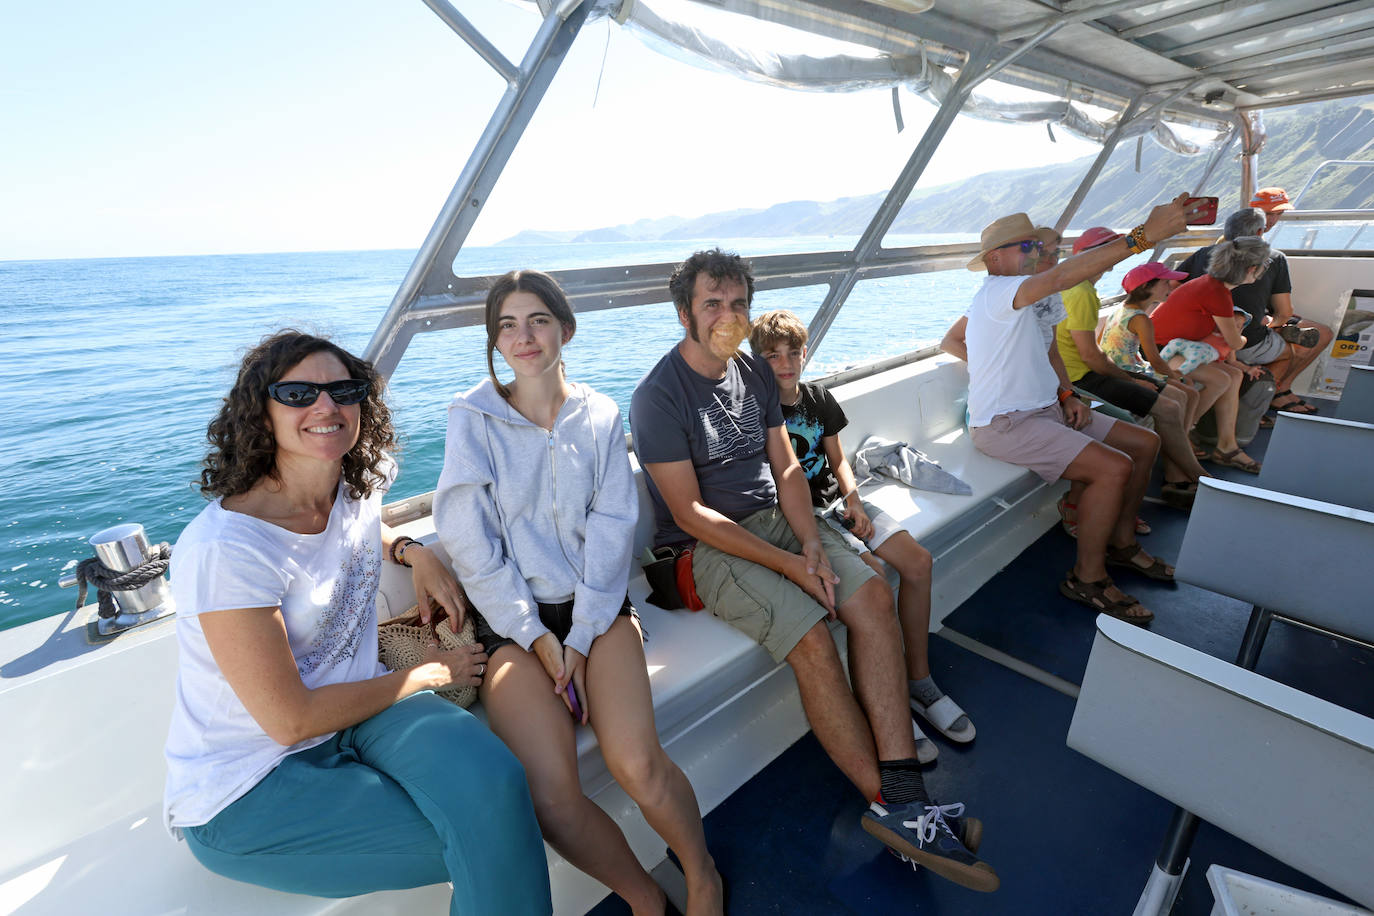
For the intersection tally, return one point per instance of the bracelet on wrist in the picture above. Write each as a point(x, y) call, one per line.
point(1136, 239)
point(1065, 394)
point(398, 550)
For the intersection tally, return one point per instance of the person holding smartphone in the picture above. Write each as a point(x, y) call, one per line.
point(536, 506)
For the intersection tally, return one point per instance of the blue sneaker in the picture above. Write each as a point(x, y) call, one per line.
point(921, 835)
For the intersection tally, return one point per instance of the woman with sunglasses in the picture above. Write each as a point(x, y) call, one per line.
point(295, 760)
point(537, 507)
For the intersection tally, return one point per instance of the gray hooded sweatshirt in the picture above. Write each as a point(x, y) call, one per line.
point(528, 514)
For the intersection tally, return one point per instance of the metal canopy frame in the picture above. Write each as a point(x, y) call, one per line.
point(1035, 53)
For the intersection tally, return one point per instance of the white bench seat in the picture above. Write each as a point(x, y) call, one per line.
point(1280, 769)
point(722, 707)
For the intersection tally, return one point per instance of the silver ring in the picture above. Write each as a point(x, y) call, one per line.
point(482, 670)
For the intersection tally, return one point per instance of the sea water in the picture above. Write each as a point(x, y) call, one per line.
point(111, 370)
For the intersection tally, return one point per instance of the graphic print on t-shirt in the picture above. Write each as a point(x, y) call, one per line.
point(805, 432)
point(1048, 313)
point(340, 629)
point(732, 433)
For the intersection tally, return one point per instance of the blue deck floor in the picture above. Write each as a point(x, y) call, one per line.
point(1066, 835)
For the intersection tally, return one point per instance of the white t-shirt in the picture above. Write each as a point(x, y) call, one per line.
point(326, 586)
point(1008, 354)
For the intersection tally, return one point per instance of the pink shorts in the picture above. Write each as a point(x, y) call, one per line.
point(1039, 439)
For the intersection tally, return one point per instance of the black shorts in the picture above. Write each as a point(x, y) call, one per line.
point(557, 617)
point(1127, 395)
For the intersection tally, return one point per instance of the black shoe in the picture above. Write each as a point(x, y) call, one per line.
point(1303, 337)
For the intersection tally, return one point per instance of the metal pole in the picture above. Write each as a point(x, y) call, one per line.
point(1108, 146)
point(483, 168)
point(1217, 155)
point(872, 238)
point(475, 39)
point(1251, 127)
point(1178, 839)
point(1028, 45)
point(1255, 631)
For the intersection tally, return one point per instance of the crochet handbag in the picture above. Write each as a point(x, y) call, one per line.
point(401, 643)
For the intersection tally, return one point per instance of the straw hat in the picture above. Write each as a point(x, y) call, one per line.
point(1015, 228)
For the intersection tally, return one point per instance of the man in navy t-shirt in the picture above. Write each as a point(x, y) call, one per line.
point(709, 432)
point(1275, 338)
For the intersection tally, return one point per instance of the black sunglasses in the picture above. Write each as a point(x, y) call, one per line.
point(303, 394)
point(1026, 245)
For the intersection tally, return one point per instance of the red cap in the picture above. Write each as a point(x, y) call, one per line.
point(1148, 273)
point(1271, 200)
point(1097, 235)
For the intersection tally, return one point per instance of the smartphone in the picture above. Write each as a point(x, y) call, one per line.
point(836, 511)
point(1202, 211)
point(572, 700)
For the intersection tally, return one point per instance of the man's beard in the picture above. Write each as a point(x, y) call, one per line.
point(725, 337)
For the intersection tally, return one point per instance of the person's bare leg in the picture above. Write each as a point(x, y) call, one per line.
point(1104, 472)
point(913, 565)
point(1071, 500)
point(1303, 356)
point(1226, 409)
point(524, 712)
point(1214, 381)
point(621, 712)
point(1141, 446)
point(1180, 465)
point(877, 670)
point(834, 714)
point(1190, 395)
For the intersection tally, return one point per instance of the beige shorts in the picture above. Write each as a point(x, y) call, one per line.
point(1039, 439)
point(767, 606)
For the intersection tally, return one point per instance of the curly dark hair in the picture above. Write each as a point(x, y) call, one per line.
point(243, 449)
point(716, 264)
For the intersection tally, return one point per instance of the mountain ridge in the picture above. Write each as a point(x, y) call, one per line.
point(1298, 141)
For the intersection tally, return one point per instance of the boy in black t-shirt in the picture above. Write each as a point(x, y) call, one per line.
point(814, 420)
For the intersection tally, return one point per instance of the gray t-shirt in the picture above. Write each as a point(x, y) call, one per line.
point(720, 425)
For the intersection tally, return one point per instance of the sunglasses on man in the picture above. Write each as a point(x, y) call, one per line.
point(303, 394)
point(1026, 245)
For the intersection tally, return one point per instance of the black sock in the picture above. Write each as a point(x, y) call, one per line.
point(901, 782)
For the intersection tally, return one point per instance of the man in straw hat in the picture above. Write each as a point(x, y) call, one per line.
point(1022, 409)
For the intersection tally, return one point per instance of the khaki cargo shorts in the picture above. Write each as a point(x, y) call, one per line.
point(767, 606)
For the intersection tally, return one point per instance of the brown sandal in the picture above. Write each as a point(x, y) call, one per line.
point(1233, 459)
point(1094, 595)
point(1125, 557)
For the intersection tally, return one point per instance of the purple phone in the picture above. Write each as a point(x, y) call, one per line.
point(572, 699)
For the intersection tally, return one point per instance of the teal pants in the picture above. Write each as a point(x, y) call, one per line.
point(418, 794)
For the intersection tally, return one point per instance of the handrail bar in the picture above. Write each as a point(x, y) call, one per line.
point(1357, 163)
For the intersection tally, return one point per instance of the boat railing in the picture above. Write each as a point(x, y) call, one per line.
point(460, 303)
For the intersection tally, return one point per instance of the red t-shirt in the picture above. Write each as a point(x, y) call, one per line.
point(1190, 310)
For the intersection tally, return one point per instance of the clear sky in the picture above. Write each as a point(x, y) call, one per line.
point(151, 128)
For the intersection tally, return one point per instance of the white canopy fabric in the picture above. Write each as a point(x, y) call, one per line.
point(1194, 62)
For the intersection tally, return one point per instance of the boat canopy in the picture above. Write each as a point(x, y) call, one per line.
point(1208, 58)
point(1107, 70)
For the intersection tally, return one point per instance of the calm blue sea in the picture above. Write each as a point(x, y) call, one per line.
point(111, 369)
